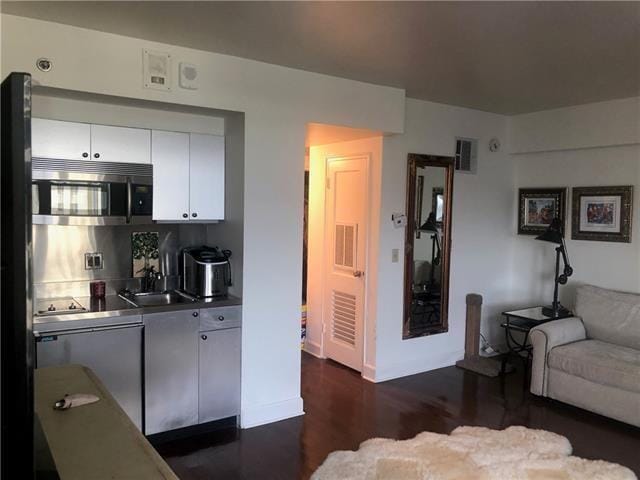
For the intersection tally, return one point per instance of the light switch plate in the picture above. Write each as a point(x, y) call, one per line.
point(395, 255)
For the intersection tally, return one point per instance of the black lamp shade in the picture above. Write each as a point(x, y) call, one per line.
point(553, 233)
point(430, 225)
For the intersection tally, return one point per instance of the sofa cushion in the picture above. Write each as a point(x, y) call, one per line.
point(609, 316)
point(599, 362)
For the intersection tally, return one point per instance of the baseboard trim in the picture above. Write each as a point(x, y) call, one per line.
point(272, 412)
point(369, 373)
point(313, 348)
point(415, 367)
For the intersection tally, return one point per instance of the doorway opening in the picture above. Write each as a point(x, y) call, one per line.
point(342, 198)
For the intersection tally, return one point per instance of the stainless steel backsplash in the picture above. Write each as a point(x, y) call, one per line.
point(58, 250)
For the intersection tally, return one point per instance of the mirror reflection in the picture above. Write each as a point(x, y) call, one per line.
point(427, 245)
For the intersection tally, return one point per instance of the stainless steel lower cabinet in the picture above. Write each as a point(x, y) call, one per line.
point(171, 370)
point(219, 373)
point(114, 354)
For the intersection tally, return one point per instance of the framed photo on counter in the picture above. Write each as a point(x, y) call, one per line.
point(602, 213)
point(538, 206)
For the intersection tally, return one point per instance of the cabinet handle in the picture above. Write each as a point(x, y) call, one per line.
point(184, 215)
point(96, 155)
point(85, 154)
point(194, 215)
point(204, 337)
point(221, 318)
point(195, 314)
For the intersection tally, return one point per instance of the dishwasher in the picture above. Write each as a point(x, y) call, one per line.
point(113, 353)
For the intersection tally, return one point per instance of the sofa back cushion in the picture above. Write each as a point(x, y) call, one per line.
point(609, 316)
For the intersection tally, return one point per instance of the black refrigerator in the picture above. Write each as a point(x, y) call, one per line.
point(16, 290)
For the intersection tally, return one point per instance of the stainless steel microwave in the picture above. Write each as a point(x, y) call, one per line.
point(74, 192)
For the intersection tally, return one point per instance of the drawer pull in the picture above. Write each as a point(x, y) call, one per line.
point(204, 337)
point(221, 318)
point(195, 314)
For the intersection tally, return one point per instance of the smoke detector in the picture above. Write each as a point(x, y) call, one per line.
point(188, 76)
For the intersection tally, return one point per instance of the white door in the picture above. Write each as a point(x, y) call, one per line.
point(120, 144)
point(207, 177)
point(345, 240)
point(170, 175)
point(60, 140)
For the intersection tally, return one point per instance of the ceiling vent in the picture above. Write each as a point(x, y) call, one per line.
point(466, 155)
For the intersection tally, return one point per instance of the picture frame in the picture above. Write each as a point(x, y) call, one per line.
point(602, 214)
point(538, 206)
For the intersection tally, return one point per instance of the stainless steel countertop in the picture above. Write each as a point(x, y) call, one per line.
point(114, 310)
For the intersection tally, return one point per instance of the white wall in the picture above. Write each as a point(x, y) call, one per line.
point(60, 105)
point(230, 233)
point(583, 126)
point(482, 249)
point(317, 174)
point(277, 102)
point(611, 130)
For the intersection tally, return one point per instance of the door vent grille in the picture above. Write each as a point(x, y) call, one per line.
point(466, 155)
point(343, 318)
point(345, 245)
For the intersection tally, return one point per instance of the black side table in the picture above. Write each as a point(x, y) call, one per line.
point(522, 321)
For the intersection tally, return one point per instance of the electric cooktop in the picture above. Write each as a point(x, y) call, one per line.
point(58, 306)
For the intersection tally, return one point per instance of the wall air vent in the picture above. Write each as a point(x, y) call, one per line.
point(156, 70)
point(466, 155)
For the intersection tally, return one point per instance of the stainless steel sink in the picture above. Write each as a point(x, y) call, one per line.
point(152, 299)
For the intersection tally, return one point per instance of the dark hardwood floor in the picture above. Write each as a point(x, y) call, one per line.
point(343, 410)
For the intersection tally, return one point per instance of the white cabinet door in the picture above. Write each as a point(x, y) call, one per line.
point(120, 144)
point(170, 158)
point(207, 177)
point(60, 140)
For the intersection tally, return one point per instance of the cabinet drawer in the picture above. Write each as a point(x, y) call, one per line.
point(220, 317)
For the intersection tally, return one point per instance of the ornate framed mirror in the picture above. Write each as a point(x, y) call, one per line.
point(427, 245)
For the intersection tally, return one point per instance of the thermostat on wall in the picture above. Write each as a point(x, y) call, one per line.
point(188, 76)
point(399, 220)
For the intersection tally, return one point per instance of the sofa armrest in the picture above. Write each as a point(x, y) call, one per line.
point(544, 338)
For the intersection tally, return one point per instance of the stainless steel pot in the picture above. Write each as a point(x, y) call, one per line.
point(206, 271)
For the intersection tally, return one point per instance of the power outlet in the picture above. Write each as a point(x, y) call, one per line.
point(395, 255)
point(93, 261)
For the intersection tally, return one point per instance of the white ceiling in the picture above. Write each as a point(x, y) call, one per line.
point(504, 57)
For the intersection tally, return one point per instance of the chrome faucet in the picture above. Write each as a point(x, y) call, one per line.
point(149, 279)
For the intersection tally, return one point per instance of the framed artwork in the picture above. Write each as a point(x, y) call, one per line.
point(145, 252)
point(538, 206)
point(602, 213)
point(437, 204)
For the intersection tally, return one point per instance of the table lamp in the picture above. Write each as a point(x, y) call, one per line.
point(554, 234)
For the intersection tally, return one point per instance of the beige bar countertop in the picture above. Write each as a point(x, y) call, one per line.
point(96, 441)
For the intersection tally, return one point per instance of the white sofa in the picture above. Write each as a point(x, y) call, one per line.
point(592, 360)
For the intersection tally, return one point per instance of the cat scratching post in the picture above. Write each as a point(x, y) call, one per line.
point(472, 359)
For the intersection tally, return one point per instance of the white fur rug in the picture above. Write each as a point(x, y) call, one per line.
point(469, 453)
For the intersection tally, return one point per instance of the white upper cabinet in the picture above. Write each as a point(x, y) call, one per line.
point(120, 144)
point(188, 177)
point(170, 158)
point(60, 140)
point(83, 141)
point(206, 168)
